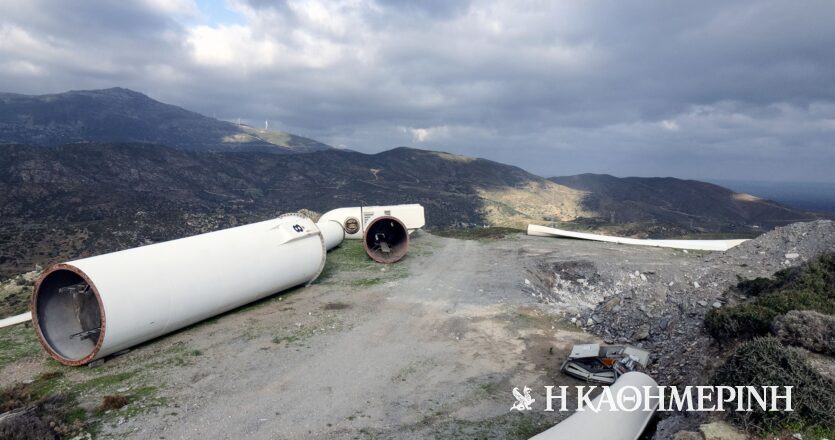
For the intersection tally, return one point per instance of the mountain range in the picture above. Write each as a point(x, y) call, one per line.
point(88, 172)
point(123, 115)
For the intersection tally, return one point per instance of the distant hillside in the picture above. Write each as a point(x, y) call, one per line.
point(687, 204)
point(63, 202)
point(814, 196)
point(122, 115)
point(76, 200)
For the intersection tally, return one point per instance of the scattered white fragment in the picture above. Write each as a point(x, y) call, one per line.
point(17, 319)
point(716, 304)
point(792, 255)
point(706, 245)
point(696, 284)
point(527, 282)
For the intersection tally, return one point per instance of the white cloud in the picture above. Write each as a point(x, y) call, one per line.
point(17, 42)
point(18, 67)
point(174, 7)
point(421, 135)
point(670, 125)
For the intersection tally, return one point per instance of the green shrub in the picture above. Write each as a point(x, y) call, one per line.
point(743, 321)
point(766, 362)
point(788, 300)
point(808, 329)
point(755, 286)
point(817, 275)
point(807, 287)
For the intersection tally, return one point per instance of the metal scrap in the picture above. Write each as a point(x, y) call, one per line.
point(604, 363)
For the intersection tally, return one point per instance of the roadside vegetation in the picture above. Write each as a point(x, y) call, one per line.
point(810, 287)
point(58, 401)
point(57, 404)
point(355, 268)
point(765, 362)
point(794, 308)
point(15, 292)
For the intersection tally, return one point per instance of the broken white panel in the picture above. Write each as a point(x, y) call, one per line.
point(702, 245)
point(575, 369)
point(640, 356)
point(582, 351)
point(17, 319)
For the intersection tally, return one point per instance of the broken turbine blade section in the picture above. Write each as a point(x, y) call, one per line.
point(86, 309)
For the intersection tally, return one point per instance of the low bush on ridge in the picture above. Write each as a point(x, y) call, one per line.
point(765, 361)
point(808, 287)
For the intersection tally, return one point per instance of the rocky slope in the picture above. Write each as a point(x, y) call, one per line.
point(657, 299)
point(662, 308)
point(122, 115)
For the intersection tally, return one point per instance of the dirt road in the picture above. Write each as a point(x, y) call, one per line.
point(429, 348)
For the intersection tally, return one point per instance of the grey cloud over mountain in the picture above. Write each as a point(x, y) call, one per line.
point(703, 89)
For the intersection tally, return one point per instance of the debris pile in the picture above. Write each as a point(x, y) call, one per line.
point(662, 309)
point(604, 363)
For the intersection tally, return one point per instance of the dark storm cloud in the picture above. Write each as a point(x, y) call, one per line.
point(742, 90)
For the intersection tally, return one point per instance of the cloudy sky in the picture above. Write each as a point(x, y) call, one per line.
point(727, 90)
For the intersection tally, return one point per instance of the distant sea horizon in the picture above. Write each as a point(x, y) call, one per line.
point(814, 196)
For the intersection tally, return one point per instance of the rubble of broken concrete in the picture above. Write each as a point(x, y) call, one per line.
point(662, 310)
